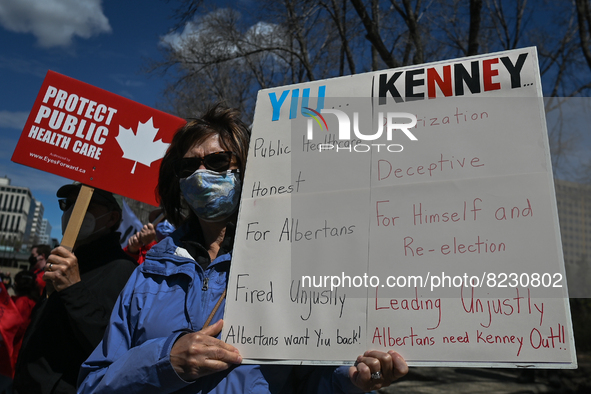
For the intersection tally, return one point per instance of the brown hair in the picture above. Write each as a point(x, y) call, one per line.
point(234, 136)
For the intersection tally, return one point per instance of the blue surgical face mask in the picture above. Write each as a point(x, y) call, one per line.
point(213, 196)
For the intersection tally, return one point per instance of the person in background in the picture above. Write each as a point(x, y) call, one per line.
point(26, 294)
point(15, 315)
point(82, 287)
point(141, 242)
point(6, 278)
point(37, 261)
point(26, 297)
point(10, 326)
point(160, 339)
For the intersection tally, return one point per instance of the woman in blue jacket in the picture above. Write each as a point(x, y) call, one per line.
point(159, 339)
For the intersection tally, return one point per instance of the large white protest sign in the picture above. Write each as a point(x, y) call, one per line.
point(409, 209)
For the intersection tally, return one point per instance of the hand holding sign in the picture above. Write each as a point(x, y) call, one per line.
point(374, 369)
point(200, 353)
point(69, 239)
point(71, 132)
point(61, 270)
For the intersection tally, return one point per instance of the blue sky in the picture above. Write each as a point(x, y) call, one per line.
point(104, 43)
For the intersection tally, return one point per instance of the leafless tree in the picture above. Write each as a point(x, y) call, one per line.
point(509, 26)
point(219, 59)
point(225, 54)
point(338, 13)
point(461, 27)
point(584, 23)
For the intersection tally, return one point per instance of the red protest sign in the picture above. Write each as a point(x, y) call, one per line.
point(87, 134)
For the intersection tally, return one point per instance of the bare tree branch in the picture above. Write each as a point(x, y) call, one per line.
point(410, 18)
point(339, 18)
point(475, 18)
point(373, 34)
point(584, 20)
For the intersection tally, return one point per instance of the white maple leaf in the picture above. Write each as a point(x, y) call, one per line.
point(141, 147)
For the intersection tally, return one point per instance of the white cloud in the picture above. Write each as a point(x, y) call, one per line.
point(127, 81)
point(203, 29)
point(13, 120)
point(54, 22)
point(217, 34)
point(175, 40)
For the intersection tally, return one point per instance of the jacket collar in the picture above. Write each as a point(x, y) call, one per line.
point(183, 250)
point(193, 241)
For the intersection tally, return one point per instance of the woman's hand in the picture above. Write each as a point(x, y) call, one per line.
point(391, 366)
point(61, 269)
point(199, 353)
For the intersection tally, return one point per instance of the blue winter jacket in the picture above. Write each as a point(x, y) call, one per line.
point(170, 294)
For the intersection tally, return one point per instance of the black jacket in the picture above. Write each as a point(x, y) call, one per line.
point(66, 327)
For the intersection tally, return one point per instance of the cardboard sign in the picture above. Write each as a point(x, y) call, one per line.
point(409, 209)
point(87, 134)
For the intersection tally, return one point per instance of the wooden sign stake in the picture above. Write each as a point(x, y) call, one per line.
point(77, 217)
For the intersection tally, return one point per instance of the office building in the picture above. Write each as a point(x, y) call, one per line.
point(15, 203)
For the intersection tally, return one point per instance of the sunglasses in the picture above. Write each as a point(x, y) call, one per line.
point(218, 162)
point(65, 204)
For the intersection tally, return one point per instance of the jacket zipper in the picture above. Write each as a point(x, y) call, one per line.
point(205, 282)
